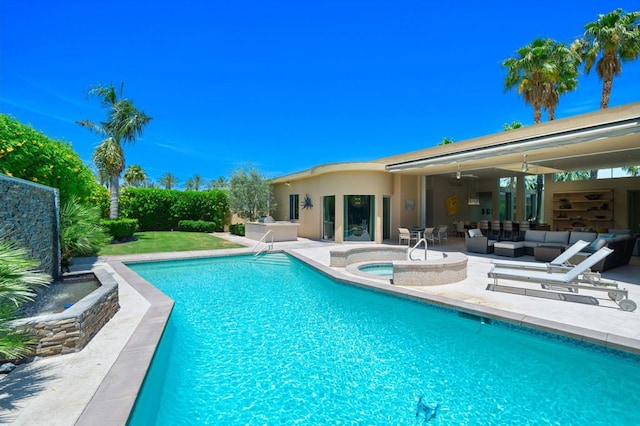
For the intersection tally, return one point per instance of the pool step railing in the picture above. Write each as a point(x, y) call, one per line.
point(417, 245)
point(257, 249)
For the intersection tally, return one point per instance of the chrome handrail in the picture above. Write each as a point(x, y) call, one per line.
point(261, 240)
point(410, 251)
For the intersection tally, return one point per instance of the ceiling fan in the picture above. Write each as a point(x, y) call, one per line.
point(459, 175)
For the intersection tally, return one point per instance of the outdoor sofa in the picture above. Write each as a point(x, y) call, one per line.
point(619, 240)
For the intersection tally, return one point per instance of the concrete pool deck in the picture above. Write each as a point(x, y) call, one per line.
point(98, 385)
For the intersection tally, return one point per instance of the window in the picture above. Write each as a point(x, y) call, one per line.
point(294, 206)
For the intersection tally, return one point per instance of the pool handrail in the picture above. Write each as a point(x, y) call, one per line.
point(410, 251)
point(261, 240)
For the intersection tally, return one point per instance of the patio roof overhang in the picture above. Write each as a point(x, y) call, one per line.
point(607, 138)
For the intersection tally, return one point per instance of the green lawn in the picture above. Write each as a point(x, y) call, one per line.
point(157, 242)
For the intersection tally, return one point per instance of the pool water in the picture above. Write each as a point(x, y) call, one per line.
point(384, 270)
point(270, 340)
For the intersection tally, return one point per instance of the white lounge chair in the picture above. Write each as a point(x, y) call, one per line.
point(572, 279)
point(559, 264)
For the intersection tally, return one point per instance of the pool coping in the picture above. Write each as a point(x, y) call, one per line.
point(115, 398)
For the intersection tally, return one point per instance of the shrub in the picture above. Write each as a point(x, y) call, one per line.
point(28, 154)
point(196, 226)
point(19, 278)
point(161, 209)
point(237, 229)
point(80, 231)
point(121, 228)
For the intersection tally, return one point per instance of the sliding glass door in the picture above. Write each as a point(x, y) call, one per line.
point(359, 217)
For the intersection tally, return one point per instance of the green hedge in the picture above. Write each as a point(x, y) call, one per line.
point(237, 229)
point(162, 209)
point(120, 229)
point(196, 226)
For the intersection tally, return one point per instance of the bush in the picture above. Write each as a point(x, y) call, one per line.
point(196, 226)
point(237, 229)
point(80, 231)
point(28, 154)
point(161, 209)
point(120, 229)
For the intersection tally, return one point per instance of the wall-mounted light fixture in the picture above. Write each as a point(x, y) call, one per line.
point(525, 166)
point(458, 172)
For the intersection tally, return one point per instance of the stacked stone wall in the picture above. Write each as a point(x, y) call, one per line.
point(67, 335)
point(30, 213)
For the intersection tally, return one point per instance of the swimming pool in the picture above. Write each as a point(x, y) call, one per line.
point(272, 341)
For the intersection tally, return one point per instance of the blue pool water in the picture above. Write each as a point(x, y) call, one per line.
point(272, 341)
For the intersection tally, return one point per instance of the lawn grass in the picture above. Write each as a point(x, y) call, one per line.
point(159, 242)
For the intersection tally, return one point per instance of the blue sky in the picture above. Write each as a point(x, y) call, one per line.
point(284, 85)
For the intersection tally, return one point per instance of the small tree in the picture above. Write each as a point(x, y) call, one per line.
point(250, 194)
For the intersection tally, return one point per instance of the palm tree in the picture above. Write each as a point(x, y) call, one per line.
point(511, 126)
point(542, 71)
point(135, 175)
point(616, 36)
point(632, 170)
point(563, 77)
point(168, 181)
point(194, 183)
point(220, 183)
point(124, 124)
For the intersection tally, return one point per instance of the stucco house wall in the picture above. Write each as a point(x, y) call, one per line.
point(339, 184)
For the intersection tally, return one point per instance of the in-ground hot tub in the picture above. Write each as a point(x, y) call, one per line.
point(439, 268)
point(64, 318)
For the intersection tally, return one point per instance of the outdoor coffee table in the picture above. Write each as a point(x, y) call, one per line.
point(546, 253)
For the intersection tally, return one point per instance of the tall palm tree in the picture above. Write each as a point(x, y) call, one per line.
point(135, 175)
point(563, 75)
point(194, 183)
point(611, 40)
point(168, 181)
point(124, 124)
point(541, 72)
point(220, 183)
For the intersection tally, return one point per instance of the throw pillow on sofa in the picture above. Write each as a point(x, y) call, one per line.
point(600, 241)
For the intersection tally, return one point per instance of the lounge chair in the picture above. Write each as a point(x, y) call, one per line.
point(559, 264)
point(572, 279)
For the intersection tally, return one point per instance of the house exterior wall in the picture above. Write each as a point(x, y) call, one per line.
point(339, 184)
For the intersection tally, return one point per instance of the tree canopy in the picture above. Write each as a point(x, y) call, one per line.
point(28, 154)
point(250, 194)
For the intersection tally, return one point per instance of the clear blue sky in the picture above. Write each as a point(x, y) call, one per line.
point(283, 84)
